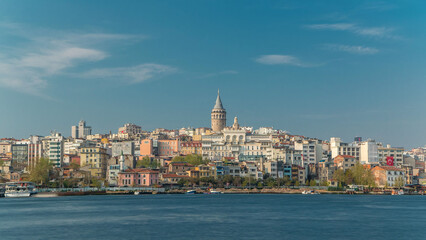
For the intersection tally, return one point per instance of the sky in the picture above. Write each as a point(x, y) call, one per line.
point(315, 68)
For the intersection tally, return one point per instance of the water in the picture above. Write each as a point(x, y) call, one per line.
point(214, 217)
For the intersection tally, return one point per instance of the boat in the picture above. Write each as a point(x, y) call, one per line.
point(20, 189)
point(215, 192)
point(191, 192)
point(310, 192)
point(136, 193)
point(400, 192)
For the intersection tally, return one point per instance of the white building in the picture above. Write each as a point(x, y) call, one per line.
point(81, 131)
point(53, 147)
point(369, 152)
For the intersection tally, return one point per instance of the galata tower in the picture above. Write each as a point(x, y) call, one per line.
point(218, 115)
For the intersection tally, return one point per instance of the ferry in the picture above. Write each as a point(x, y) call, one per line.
point(20, 189)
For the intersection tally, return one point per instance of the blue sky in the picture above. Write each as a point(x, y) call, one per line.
point(315, 68)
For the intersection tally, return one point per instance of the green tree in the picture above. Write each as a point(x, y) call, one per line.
point(313, 183)
point(339, 175)
point(74, 166)
point(147, 162)
point(40, 173)
point(270, 182)
point(228, 179)
point(307, 183)
point(399, 182)
point(324, 183)
point(193, 159)
point(237, 181)
point(287, 180)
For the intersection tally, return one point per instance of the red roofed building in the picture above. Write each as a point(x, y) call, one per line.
point(344, 161)
point(139, 177)
point(389, 175)
point(193, 147)
point(179, 167)
point(171, 178)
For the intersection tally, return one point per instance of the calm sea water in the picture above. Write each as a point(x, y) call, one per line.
point(214, 217)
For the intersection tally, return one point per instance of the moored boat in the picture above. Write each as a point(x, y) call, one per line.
point(20, 189)
point(191, 192)
point(215, 192)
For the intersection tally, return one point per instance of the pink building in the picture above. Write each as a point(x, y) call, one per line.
point(139, 177)
point(163, 147)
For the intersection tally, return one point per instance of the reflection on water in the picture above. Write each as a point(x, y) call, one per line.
point(213, 217)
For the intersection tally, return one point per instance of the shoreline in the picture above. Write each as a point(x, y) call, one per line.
point(222, 191)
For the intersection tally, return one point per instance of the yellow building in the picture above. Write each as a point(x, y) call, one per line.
point(95, 158)
point(206, 171)
point(187, 148)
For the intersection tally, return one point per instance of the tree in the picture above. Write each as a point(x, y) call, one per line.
point(228, 179)
point(287, 180)
point(96, 183)
point(146, 162)
point(193, 159)
point(324, 183)
point(399, 182)
point(237, 181)
point(313, 183)
point(74, 166)
point(40, 173)
point(270, 182)
point(339, 175)
point(307, 183)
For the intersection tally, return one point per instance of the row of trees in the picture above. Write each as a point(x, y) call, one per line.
point(193, 159)
point(358, 175)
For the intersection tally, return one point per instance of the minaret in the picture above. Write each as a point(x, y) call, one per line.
point(236, 126)
point(122, 162)
point(218, 115)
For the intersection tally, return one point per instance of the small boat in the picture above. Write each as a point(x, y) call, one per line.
point(136, 193)
point(20, 189)
point(191, 192)
point(215, 192)
point(310, 192)
point(400, 192)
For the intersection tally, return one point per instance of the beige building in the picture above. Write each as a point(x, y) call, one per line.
point(5, 148)
point(394, 152)
point(95, 158)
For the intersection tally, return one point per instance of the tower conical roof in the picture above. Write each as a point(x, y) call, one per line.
point(218, 104)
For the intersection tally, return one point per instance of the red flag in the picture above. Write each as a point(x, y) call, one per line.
point(389, 160)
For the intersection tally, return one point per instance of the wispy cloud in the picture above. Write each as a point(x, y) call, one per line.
point(276, 59)
point(381, 32)
point(48, 54)
point(215, 74)
point(379, 6)
point(134, 74)
point(361, 50)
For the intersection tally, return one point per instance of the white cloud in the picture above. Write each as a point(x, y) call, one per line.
point(361, 50)
point(383, 32)
point(135, 74)
point(50, 53)
point(280, 59)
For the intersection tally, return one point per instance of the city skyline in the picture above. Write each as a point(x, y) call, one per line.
point(344, 70)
